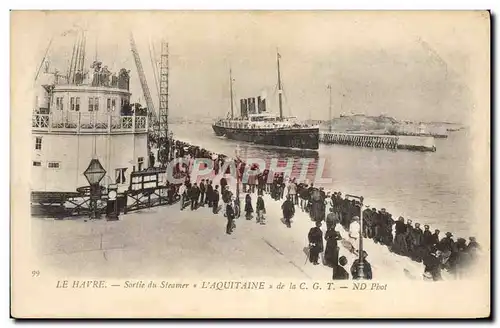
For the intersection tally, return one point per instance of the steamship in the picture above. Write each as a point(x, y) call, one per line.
point(257, 125)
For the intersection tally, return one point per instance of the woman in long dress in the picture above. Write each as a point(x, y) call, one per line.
point(261, 210)
point(332, 249)
point(248, 207)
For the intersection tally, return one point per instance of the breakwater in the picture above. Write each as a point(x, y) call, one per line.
point(413, 143)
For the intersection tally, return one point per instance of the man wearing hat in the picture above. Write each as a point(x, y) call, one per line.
point(435, 238)
point(230, 218)
point(447, 243)
point(336, 198)
point(315, 237)
point(369, 221)
point(226, 198)
point(409, 236)
point(183, 194)
point(339, 273)
point(417, 239)
point(331, 219)
point(427, 237)
point(367, 268)
point(380, 222)
point(260, 209)
point(399, 246)
point(432, 266)
point(446, 246)
point(459, 259)
point(473, 244)
point(354, 235)
point(328, 203)
point(215, 200)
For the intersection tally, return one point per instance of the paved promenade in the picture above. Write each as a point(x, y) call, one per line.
point(166, 242)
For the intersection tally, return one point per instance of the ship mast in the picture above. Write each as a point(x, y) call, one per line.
point(231, 90)
point(330, 108)
point(280, 91)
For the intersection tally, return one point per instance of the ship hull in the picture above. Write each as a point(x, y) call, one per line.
point(291, 138)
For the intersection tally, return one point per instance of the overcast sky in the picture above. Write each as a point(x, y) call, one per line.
point(418, 66)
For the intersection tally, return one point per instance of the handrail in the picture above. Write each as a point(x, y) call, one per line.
point(89, 122)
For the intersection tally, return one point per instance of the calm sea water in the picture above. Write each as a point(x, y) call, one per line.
point(429, 188)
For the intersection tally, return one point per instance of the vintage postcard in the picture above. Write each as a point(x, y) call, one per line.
point(250, 164)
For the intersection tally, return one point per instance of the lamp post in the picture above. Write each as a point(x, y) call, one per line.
point(94, 174)
point(170, 145)
point(237, 152)
point(361, 259)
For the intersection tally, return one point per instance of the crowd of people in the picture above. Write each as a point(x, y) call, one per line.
point(401, 236)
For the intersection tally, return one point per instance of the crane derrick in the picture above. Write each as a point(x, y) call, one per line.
point(153, 122)
point(162, 126)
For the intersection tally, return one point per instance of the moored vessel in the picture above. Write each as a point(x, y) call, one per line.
point(81, 116)
point(256, 125)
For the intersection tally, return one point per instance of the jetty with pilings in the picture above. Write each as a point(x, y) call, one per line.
point(393, 142)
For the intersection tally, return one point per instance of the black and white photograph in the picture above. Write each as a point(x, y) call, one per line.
point(243, 164)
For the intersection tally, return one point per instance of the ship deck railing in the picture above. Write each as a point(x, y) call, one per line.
point(260, 126)
point(78, 122)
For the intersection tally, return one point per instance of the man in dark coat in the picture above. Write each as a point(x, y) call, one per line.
point(387, 223)
point(281, 186)
point(339, 273)
point(215, 200)
point(409, 237)
point(288, 210)
point(332, 219)
point(346, 210)
point(209, 194)
point(170, 193)
point(337, 204)
point(367, 268)
point(317, 211)
point(230, 218)
point(447, 243)
point(435, 238)
point(427, 237)
point(432, 266)
point(315, 238)
point(261, 183)
point(368, 223)
point(399, 246)
point(458, 258)
point(248, 207)
point(309, 197)
point(194, 195)
point(418, 247)
point(202, 192)
point(226, 195)
point(223, 184)
point(473, 243)
point(377, 226)
point(447, 247)
point(260, 209)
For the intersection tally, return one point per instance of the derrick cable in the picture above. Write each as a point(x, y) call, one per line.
point(154, 64)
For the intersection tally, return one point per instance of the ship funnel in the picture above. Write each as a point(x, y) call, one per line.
point(261, 104)
point(252, 108)
point(261, 101)
point(243, 108)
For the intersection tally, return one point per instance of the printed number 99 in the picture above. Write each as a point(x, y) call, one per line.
point(35, 273)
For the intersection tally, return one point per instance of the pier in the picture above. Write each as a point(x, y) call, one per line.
point(152, 203)
point(379, 141)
